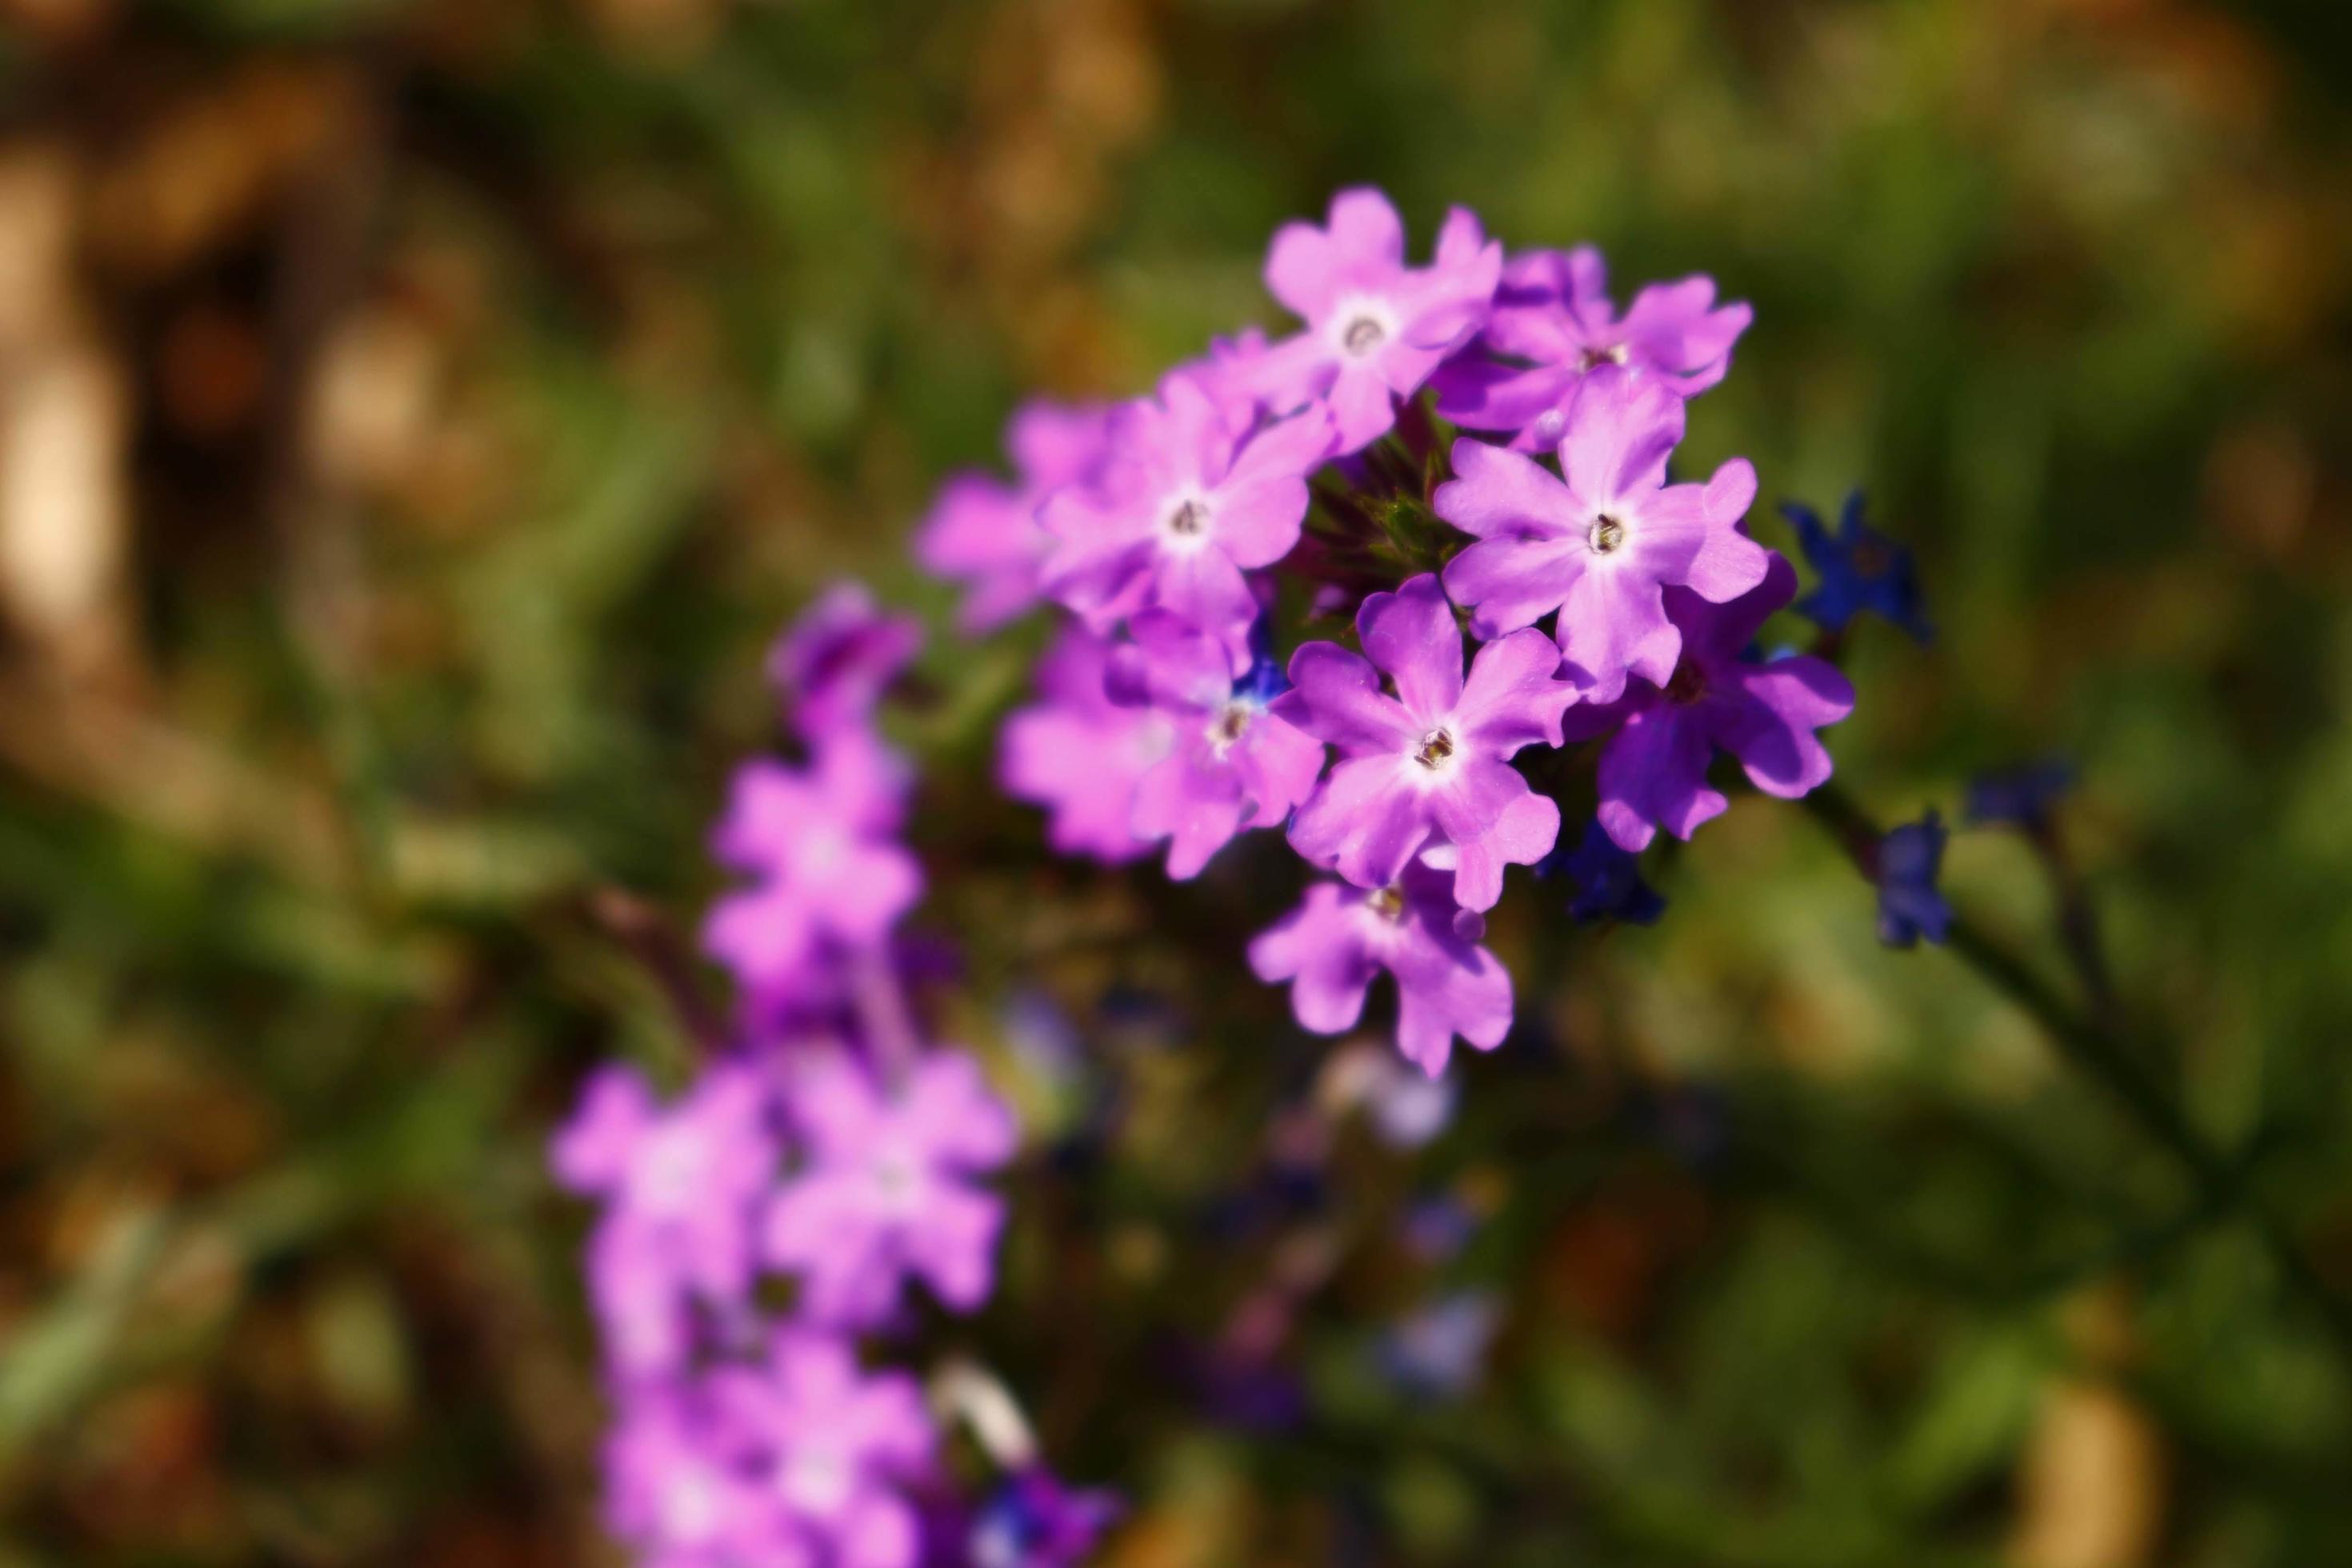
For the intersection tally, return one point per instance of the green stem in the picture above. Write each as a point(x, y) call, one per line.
point(2092, 1048)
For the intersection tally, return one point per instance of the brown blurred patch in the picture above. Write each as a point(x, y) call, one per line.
point(2091, 1483)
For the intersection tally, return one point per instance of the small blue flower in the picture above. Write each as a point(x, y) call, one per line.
point(1909, 907)
point(1608, 881)
point(1860, 569)
point(1262, 682)
point(1036, 1521)
point(2019, 796)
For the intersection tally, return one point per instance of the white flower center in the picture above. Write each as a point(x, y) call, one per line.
point(815, 1481)
point(669, 1174)
point(1185, 522)
point(1386, 902)
point(1232, 722)
point(1435, 749)
point(897, 1181)
point(1360, 326)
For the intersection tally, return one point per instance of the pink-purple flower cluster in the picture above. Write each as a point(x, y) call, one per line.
point(762, 1229)
point(1603, 600)
point(1294, 600)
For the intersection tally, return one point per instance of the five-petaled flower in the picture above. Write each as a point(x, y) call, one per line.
point(1600, 544)
point(1654, 772)
point(1860, 569)
point(1232, 763)
point(1340, 938)
point(1553, 324)
point(1428, 766)
point(1197, 490)
point(1376, 329)
point(890, 1186)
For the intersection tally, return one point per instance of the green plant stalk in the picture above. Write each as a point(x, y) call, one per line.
point(2092, 1048)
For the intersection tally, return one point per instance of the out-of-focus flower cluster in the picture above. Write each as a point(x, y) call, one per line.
point(822, 1177)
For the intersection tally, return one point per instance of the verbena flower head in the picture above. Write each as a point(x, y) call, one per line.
point(1081, 755)
point(1860, 569)
point(834, 662)
point(1608, 881)
point(1601, 543)
point(1339, 939)
point(1376, 329)
point(889, 1188)
point(985, 532)
point(1553, 325)
point(1429, 764)
point(682, 1187)
point(1909, 906)
point(831, 1447)
point(828, 874)
point(1195, 492)
point(1232, 765)
point(1654, 772)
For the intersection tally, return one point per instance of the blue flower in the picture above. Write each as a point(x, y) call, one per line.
point(2021, 796)
point(1608, 880)
point(1860, 569)
point(1909, 907)
point(1036, 1521)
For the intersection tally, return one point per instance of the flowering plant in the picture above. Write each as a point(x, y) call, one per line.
point(1416, 590)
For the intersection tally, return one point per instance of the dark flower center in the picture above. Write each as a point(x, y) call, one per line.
point(1230, 722)
point(1362, 336)
point(1435, 747)
point(1590, 357)
point(1607, 534)
point(1688, 685)
point(1387, 902)
point(1188, 520)
point(1871, 559)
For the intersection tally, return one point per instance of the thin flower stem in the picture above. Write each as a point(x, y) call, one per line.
point(2091, 1047)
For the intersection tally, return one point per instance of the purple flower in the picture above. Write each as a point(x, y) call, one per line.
point(1909, 907)
point(1654, 773)
point(682, 1186)
point(829, 874)
point(1033, 1521)
point(1428, 766)
point(1233, 764)
point(1600, 546)
point(1195, 492)
point(1081, 755)
point(1335, 943)
point(676, 1492)
point(836, 660)
point(1608, 880)
point(831, 1447)
point(888, 1189)
point(985, 533)
point(1376, 328)
point(1553, 324)
point(1860, 569)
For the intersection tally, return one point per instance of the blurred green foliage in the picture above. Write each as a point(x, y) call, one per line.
point(489, 380)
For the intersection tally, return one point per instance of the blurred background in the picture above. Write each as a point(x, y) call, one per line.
point(416, 417)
